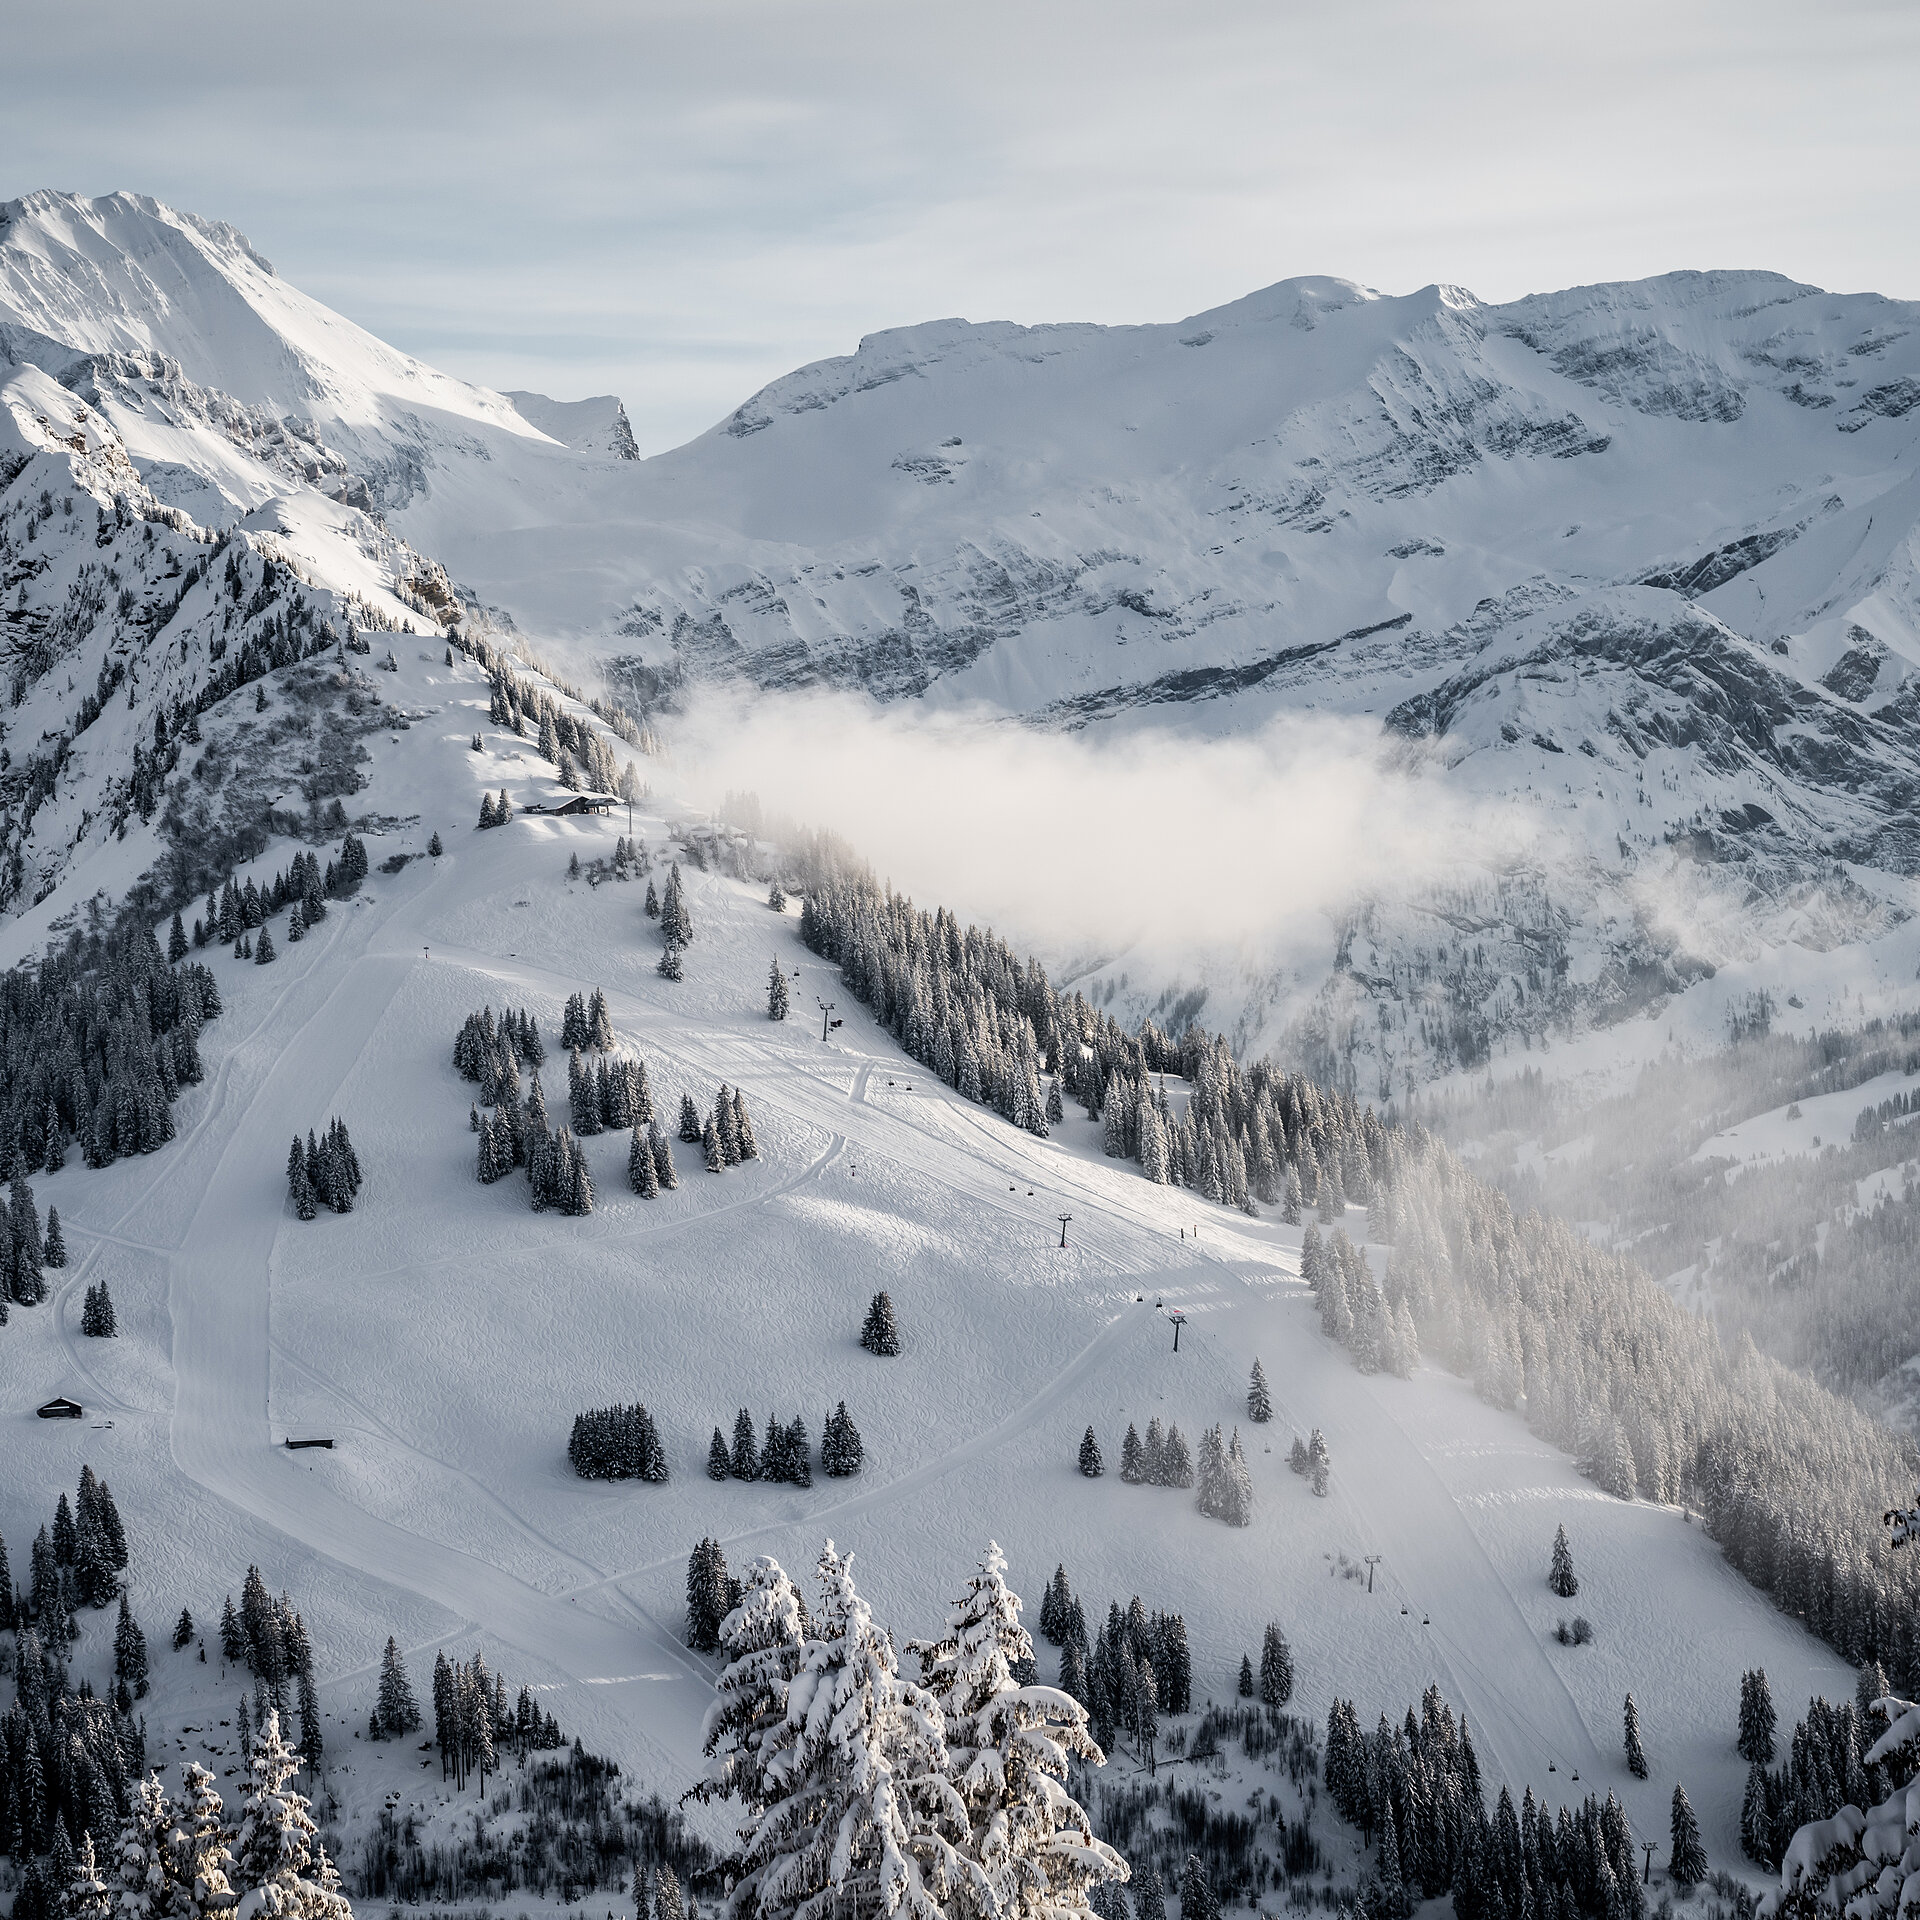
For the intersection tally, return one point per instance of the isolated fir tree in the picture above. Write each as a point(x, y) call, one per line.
point(182, 1630)
point(1560, 1576)
point(670, 966)
point(881, 1333)
point(1636, 1754)
point(434, 846)
point(263, 954)
point(1246, 1677)
point(1754, 1742)
point(777, 992)
point(1259, 1401)
point(776, 899)
point(1276, 1667)
point(1090, 1462)
point(719, 1463)
point(1687, 1863)
point(652, 902)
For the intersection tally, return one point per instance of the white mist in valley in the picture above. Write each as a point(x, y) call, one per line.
point(1171, 848)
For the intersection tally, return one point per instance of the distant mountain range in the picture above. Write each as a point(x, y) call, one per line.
point(1640, 556)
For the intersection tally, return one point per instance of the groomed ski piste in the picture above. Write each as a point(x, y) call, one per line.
point(444, 1334)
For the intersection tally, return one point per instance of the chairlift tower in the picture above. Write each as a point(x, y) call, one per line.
point(1179, 1320)
point(1065, 1220)
point(826, 1012)
point(1373, 1560)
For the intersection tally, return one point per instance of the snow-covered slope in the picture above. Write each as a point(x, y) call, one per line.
point(445, 1335)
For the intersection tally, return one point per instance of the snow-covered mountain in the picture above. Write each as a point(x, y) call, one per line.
point(1638, 560)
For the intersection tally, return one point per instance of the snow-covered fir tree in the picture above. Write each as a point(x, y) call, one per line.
point(881, 1332)
point(1030, 1851)
point(397, 1710)
point(1561, 1579)
point(1635, 1752)
point(1276, 1667)
point(1259, 1400)
point(841, 1451)
point(1091, 1463)
point(866, 1821)
point(279, 1863)
point(96, 1313)
point(777, 1001)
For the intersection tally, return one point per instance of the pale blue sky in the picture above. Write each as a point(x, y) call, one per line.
point(678, 202)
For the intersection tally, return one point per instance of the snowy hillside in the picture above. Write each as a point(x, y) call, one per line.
point(390, 1328)
point(1633, 564)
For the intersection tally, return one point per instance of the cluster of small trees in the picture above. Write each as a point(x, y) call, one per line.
point(324, 1170)
point(783, 1456)
point(712, 1594)
point(1163, 1459)
point(97, 1038)
point(1226, 1483)
point(1310, 1458)
point(495, 809)
point(269, 1638)
point(1827, 1765)
point(859, 1791)
point(96, 1313)
point(1275, 1681)
point(617, 1443)
point(1416, 1790)
point(75, 1562)
point(609, 1093)
point(24, 1253)
point(235, 912)
point(473, 1726)
point(1137, 1667)
point(726, 1134)
point(650, 1162)
point(1374, 1325)
point(583, 759)
point(587, 1026)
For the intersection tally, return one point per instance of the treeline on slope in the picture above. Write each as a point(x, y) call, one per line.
point(1606, 1364)
point(1415, 1790)
point(1783, 1247)
point(962, 1003)
point(96, 1041)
